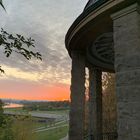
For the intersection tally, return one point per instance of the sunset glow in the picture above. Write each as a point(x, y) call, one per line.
point(48, 79)
point(40, 93)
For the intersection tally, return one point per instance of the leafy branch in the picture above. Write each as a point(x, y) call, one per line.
point(1, 4)
point(1, 70)
point(19, 44)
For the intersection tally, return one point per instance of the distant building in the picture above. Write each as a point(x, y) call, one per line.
point(106, 38)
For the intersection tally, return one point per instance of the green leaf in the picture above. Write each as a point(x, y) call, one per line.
point(1, 70)
point(1, 3)
point(18, 44)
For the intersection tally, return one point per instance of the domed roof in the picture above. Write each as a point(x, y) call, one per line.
point(94, 2)
point(90, 2)
point(92, 32)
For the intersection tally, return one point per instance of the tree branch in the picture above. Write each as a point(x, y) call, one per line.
point(19, 44)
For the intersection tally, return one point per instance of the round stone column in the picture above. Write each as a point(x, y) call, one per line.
point(95, 104)
point(77, 109)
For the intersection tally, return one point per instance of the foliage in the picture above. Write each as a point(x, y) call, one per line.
point(1, 70)
point(23, 46)
point(13, 43)
point(19, 44)
point(1, 4)
point(22, 128)
point(1, 113)
point(109, 103)
point(47, 106)
point(6, 130)
point(5, 126)
point(15, 128)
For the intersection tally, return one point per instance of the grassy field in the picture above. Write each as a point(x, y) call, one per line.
point(55, 134)
point(59, 112)
point(24, 129)
point(55, 131)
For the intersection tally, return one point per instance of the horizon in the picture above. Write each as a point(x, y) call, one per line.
point(12, 99)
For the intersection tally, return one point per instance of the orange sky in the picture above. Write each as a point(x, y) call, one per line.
point(18, 84)
point(37, 92)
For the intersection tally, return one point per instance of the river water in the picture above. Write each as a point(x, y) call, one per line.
point(11, 105)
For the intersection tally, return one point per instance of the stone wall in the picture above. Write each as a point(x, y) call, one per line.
point(127, 66)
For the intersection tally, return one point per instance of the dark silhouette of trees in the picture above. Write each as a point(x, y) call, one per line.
point(47, 106)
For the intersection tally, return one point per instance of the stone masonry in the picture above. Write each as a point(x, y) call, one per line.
point(77, 110)
point(127, 67)
point(95, 104)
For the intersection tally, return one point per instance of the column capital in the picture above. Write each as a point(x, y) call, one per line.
point(133, 8)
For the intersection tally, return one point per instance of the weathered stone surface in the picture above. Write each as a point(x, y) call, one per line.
point(129, 132)
point(129, 110)
point(128, 94)
point(95, 104)
point(136, 130)
point(122, 62)
point(127, 66)
point(124, 129)
point(126, 78)
point(77, 109)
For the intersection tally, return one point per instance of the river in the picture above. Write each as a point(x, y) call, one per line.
point(12, 105)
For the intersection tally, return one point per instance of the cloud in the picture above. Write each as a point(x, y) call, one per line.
point(47, 21)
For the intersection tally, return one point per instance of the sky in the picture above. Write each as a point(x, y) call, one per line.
point(47, 21)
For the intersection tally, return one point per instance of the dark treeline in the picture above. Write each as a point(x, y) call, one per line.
point(46, 106)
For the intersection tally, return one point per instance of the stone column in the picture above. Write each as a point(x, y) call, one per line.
point(95, 104)
point(127, 66)
point(77, 109)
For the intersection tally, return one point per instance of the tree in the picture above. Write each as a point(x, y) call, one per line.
point(1, 113)
point(5, 125)
point(109, 103)
point(23, 46)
